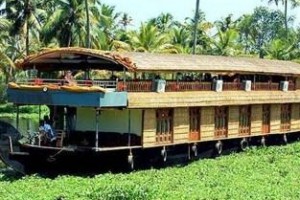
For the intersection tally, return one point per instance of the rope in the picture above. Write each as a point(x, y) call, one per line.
point(52, 158)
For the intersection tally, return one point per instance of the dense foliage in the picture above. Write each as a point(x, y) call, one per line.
point(267, 173)
point(26, 111)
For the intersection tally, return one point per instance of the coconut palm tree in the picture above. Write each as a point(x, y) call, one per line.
point(6, 66)
point(163, 22)
point(68, 24)
point(225, 43)
point(181, 39)
point(125, 21)
point(149, 39)
point(26, 18)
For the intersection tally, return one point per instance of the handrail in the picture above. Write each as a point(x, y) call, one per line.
point(59, 82)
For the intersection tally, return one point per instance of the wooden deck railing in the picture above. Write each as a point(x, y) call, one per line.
point(232, 86)
point(171, 86)
point(265, 86)
point(292, 86)
point(135, 86)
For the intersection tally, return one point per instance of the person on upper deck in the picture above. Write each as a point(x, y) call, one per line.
point(69, 78)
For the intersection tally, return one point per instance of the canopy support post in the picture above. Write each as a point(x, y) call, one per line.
point(17, 120)
point(124, 79)
point(254, 82)
point(129, 127)
point(97, 128)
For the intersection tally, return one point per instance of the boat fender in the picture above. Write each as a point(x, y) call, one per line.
point(285, 139)
point(195, 150)
point(130, 161)
point(263, 141)
point(244, 144)
point(164, 154)
point(219, 147)
point(45, 89)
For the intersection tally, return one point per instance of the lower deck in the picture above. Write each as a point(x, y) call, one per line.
point(146, 128)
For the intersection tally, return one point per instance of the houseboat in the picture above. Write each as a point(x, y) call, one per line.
point(135, 108)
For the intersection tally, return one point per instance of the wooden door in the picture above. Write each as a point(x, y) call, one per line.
point(194, 133)
point(266, 116)
point(221, 122)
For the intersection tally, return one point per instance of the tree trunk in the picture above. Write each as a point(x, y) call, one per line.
point(196, 26)
point(27, 38)
point(27, 27)
point(285, 16)
point(88, 39)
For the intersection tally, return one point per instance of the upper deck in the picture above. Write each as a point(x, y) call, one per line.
point(138, 75)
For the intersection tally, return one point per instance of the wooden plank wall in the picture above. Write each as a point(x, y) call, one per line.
point(233, 121)
point(149, 130)
point(295, 121)
point(275, 118)
point(256, 120)
point(207, 123)
point(181, 125)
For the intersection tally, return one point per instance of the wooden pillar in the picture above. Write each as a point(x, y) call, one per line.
point(97, 128)
point(129, 127)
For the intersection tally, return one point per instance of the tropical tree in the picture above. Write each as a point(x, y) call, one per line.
point(108, 20)
point(181, 39)
point(294, 3)
point(149, 39)
point(260, 28)
point(204, 27)
point(68, 24)
point(225, 43)
point(125, 21)
point(164, 22)
point(281, 49)
point(226, 24)
point(26, 18)
point(6, 66)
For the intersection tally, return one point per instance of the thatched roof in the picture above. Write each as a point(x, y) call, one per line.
point(87, 58)
point(206, 63)
point(75, 58)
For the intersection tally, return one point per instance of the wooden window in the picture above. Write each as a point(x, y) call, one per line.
point(245, 120)
point(221, 121)
point(194, 114)
point(164, 125)
point(285, 117)
point(266, 116)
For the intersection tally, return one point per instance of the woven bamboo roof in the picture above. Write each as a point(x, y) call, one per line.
point(81, 57)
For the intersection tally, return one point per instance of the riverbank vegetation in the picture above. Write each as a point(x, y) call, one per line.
point(8, 110)
point(264, 173)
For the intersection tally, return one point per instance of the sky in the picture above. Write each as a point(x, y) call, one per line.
point(142, 10)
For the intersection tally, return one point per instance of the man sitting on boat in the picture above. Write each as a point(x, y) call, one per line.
point(46, 128)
